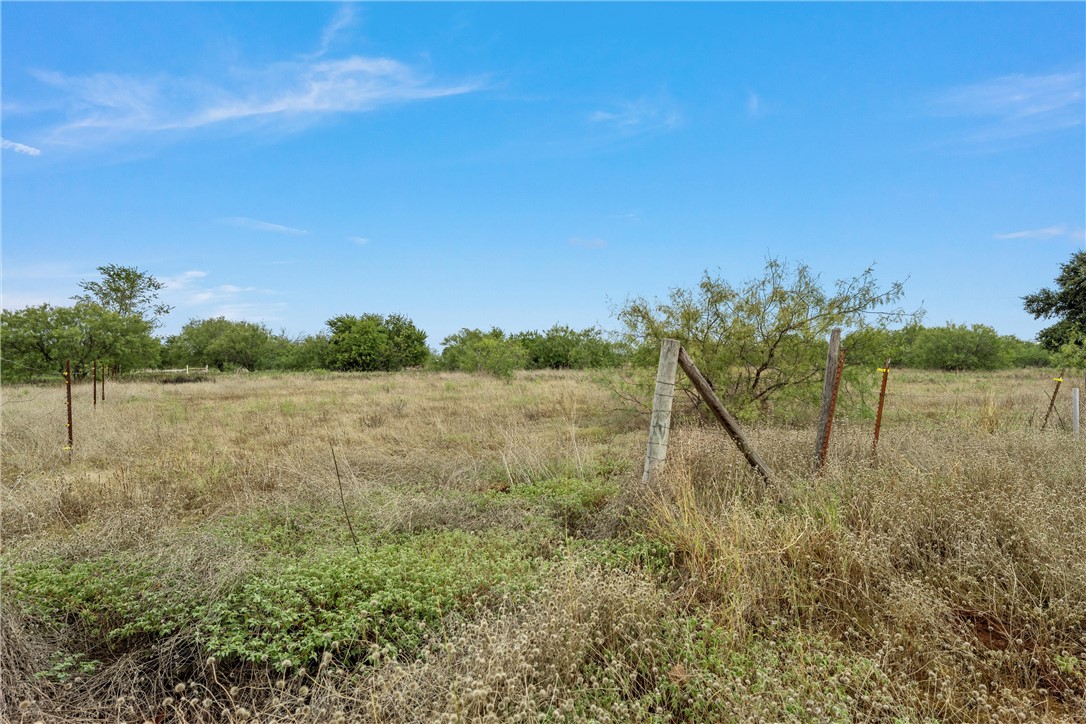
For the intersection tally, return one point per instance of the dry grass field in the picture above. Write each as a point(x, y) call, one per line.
point(192, 561)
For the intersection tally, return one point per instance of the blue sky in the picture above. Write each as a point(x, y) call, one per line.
point(522, 165)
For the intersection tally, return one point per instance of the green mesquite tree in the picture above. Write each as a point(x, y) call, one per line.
point(1067, 304)
point(764, 338)
point(126, 291)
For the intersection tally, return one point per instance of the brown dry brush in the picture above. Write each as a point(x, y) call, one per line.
point(946, 582)
point(956, 563)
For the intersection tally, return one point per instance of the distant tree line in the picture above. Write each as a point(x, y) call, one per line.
point(113, 322)
point(755, 340)
point(979, 347)
point(501, 354)
point(950, 347)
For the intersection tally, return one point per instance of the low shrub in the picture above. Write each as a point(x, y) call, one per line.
point(386, 599)
point(332, 599)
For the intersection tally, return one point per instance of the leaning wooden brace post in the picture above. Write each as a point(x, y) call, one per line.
point(824, 411)
point(1052, 402)
point(730, 423)
point(660, 427)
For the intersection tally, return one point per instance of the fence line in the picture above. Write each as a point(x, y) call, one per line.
point(181, 370)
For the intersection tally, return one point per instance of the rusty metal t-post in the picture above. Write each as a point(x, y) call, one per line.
point(660, 426)
point(68, 391)
point(882, 399)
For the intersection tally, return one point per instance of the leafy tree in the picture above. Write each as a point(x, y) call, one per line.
point(1021, 353)
point(222, 344)
point(406, 343)
point(472, 350)
point(308, 353)
point(372, 343)
point(870, 346)
point(280, 349)
point(38, 340)
point(763, 339)
point(1067, 304)
point(1071, 354)
point(126, 291)
point(958, 347)
point(357, 343)
point(562, 347)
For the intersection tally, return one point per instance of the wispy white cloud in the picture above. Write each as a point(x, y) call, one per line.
point(105, 104)
point(186, 289)
point(343, 19)
point(360, 240)
point(644, 115)
point(251, 311)
point(51, 271)
point(593, 243)
point(755, 106)
point(217, 293)
point(258, 225)
point(288, 94)
point(20, 147)
point(1016, 106)
point(233, 289)
point(188, 292)
point(1046, 233)
point(45, 282)
point(183, 280)
point(192, 297)
point(13, 300)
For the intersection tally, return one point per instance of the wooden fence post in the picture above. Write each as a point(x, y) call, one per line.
point(833, 407)
point(94, 374)
point(103, 383)
point(882, 399)
point(1074, 411)
point(660, 426)
point(730, 423)
point(824, 412)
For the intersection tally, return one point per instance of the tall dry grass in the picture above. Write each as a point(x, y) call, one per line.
point(944, 581)
point(956, 561)
point(167, 454)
